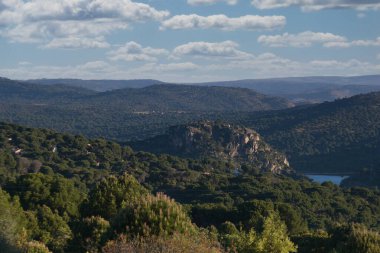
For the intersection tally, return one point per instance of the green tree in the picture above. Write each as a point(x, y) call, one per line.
point(54, 191)
point(93, 232)
point(153, 215)
point(112, 194)
point(35, 247)
point(274, 237)
point(355, 238)
point(53, 231)
point(12, 223)
point(177, 243)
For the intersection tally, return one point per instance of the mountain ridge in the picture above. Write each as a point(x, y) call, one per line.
point(218, 140)
point(309, 89)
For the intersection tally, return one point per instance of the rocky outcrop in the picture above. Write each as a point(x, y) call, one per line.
point(222, 141)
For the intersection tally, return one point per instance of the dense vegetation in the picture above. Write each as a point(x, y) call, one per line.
point(69, 193)
point(339, 137)
point(218, 140)
point(98, 85)
point(123, 114)
point(297, 89)
point(156, 98)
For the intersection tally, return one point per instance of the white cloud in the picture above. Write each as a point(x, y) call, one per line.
point(355, 43)
point(24, 63)
point(133, 51)
point(248, 22)
point(76, 42)
point(89, 70)
point(44, 32)
point(225, 49)
point(262, 66)
point(315, 5)
point(209, 2)
point(43, 21)
point(169, 67)
point(308, 38)
point(304, 39)
point(43, 10)
point(98, 66)
point(182, 66)
point(104, 70)
point(270, 65)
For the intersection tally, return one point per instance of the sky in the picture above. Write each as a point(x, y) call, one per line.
point(188, 40)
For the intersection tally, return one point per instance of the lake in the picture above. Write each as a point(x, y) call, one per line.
point(324, 178)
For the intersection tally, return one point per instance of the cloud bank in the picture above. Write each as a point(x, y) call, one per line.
point(248, 22)
point(210, 2)
point(316, 5)
point(71, 23)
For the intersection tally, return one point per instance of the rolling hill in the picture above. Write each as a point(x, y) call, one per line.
point(124, 114)
point(338, 138)
point(217, 140)
point(298, 89)
point(308, 89)
point(98, 85)
point(185, 98)
point(333, 137)
point(15, 92)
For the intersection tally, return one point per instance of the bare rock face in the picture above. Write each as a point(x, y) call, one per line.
point(225, 141)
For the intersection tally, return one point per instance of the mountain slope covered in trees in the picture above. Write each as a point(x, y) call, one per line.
point(98, 85)
point(14, 92)
point(299, 89)
point(308, 89)
point(66, 193)
point(340, 137)
point(123, 114)
point(217, 140)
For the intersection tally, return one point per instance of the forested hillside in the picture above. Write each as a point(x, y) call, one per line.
point(71, 194)
point(98, 85)
point(13, 92)
point(298, 89)
point(338, 137)
point(314, 89)
point(123, 114)
point(218, 140)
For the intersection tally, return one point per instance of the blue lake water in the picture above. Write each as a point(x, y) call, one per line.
point(324, 178)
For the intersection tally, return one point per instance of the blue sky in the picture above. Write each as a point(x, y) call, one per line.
point(188, 40)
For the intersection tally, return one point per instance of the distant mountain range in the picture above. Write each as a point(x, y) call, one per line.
point(332, 137)
point(124, 114)
point(98, 85)
point(15, 92)
point(309, 89)
point(297, 89)
point(340, 137)
point(151, 99)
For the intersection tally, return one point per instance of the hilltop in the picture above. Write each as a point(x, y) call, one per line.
point(217, 140)
point(313, 89)
point(98, 85)
point(124, 114)
point(334, 137)
point(169, 97)
point(84, 188)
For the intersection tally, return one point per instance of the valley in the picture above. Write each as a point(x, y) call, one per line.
point(228, 156)
point(192, 126)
